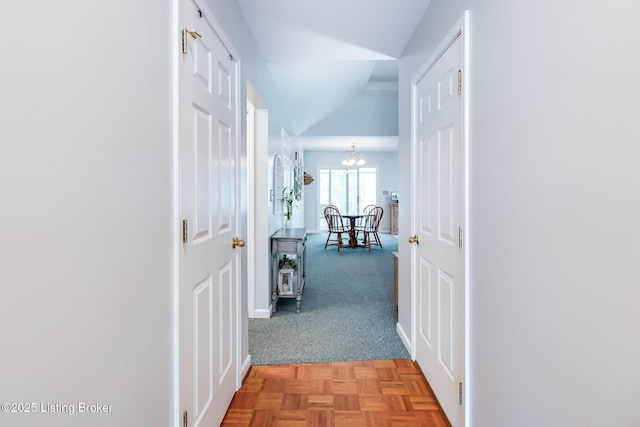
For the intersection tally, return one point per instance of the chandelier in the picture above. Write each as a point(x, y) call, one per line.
point(353, 160)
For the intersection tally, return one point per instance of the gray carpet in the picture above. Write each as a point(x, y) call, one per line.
point(347, 310)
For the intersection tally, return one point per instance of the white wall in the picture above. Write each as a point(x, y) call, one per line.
point(370, 113)
point(86, 218)
point(555, 208)
point(386, 163)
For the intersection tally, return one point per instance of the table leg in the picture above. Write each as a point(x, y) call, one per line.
point(274, 284)
point(353, 242)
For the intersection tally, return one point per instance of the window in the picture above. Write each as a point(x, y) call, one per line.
point(349, 190)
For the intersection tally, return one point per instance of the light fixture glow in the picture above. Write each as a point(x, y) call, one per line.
point(353, 160)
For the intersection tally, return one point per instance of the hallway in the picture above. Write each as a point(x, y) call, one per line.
point(347, 310)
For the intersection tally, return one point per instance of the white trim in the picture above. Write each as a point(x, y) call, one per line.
point(262, 313)
point(239, 219)
point(246, 365)
point(261, 246)
point(251, 216)
point(405, 338)
point(412, 221)
point(175, 199)
point(460, 29)
point(466, 231)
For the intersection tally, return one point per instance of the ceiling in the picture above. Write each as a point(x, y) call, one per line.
point(324, 53)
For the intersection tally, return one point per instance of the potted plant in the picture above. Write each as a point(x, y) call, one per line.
point(288, 197)
point(288, 260)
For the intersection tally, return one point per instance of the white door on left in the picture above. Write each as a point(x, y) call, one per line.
point(209, 265)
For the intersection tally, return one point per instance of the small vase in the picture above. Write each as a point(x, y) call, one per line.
point(287, 223)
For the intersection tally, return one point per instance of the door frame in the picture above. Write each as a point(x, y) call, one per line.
point(241, 218)
point(460, 29)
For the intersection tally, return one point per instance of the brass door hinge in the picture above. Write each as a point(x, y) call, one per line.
point(459, 82)
point(193, 33)
point(185, 419)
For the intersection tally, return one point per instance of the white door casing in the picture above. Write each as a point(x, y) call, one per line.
point(439, 220)
point(209, 266)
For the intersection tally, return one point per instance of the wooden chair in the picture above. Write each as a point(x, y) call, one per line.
point(371, 225)
point(367, 209)
point(336, 226)
point(361, 221)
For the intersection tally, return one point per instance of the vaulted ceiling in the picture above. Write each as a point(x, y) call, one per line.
point(330, 58)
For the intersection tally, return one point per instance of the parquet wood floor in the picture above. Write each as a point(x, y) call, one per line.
point(380, 393)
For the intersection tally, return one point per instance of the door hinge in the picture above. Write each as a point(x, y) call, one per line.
point(194, 34)
point(460, 394)
point(185, 229)
point(185, 419)
point(460, 238)
point(459, 82)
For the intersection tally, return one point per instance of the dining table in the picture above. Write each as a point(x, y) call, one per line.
point(353, 237)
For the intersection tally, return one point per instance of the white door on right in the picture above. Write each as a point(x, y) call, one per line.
point(438, 258)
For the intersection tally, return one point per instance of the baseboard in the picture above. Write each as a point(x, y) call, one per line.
point(245, 368)
point(405, 339)
point(263, 313)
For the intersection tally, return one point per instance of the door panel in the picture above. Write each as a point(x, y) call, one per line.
point(445, 322)
point(424, 301)
point(438, 216)
point(224, 177)
point(203, 344)
point(224, 337)
point(424, 187)
point(445, 185)
point(202, 149)
point(208, 264)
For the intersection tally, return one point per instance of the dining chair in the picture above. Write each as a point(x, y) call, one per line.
point(336, 227)
point(371, 225)
point(361, 221)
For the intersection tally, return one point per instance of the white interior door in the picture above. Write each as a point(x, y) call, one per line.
point(209, 266)
point(438, 258)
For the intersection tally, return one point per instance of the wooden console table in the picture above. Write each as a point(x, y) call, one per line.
point(291, 241)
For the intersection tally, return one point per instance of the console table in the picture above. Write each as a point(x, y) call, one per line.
point(288, 241)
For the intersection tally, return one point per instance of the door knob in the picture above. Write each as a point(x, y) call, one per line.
point(237, 242)
point(414, 239)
